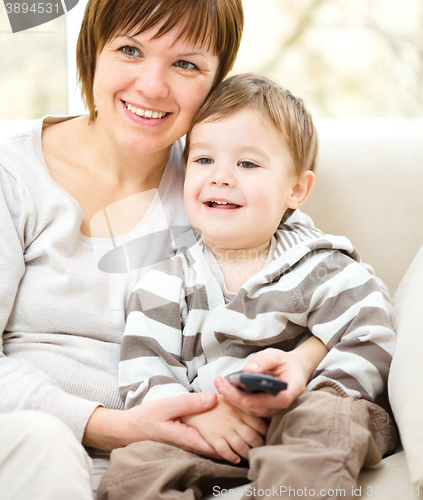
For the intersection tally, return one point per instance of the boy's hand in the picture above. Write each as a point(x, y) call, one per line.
point(228, 430)
point(286, 366)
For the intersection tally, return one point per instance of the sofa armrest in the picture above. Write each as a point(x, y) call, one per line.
point(406, 376)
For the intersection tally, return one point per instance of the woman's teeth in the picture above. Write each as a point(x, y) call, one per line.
point(146, 113)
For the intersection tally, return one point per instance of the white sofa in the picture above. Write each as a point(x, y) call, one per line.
point(369, 187)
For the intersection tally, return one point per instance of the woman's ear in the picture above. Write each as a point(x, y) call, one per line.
point(301, 190)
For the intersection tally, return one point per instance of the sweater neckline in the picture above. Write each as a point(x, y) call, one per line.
point(149, 215)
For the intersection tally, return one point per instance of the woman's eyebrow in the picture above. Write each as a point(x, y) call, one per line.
point(134, 41)
point(190, 54)
point(130, 39)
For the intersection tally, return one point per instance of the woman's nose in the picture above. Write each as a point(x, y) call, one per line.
point(152, 81)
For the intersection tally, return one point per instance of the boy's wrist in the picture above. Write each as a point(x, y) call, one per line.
point(310, 354)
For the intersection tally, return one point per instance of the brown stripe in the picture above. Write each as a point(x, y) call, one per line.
point(197, 298)
point(191, 347)
point(135, 347)
point(370, 351)
point(287, 340)
point(134, 304)
point(272, 301)
point(158, 308)
point(298, 298)
point(345, 379)
point(239, 351)
point(171, 267)
point(329, 267)
point(367, 316)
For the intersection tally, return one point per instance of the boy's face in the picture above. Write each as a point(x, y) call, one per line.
point(240, 179)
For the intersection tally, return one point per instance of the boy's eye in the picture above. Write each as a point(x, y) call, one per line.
point(186, 65)
point(130, 51)
point(247, 164)
point(204, 161)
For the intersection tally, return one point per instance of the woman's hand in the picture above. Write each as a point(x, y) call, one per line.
point(154, 421)
point(229, 430)
point(294, 367)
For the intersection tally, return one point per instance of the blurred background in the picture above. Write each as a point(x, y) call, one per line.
point(345, 58)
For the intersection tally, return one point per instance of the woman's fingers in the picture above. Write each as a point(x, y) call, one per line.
point(187, 438)
point(162, 419)
point(185, 404)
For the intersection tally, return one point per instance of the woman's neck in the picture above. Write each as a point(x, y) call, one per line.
point(125, 167)
point(238, 266)
point(101, 176)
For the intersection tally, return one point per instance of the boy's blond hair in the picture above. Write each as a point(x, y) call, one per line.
point(285, 111)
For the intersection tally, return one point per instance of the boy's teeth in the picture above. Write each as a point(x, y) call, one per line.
point(145, 112)
point(220, 202)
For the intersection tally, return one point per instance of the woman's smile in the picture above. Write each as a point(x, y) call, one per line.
point(145, 113)
point(145, 116)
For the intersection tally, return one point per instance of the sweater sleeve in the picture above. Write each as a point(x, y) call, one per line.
point(23, 386)
point(151, 366)
point(350, 312)
point(13, 207)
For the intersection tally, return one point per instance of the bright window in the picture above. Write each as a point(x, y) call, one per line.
point(345, 58)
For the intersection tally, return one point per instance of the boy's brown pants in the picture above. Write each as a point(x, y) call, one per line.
point(316, 448)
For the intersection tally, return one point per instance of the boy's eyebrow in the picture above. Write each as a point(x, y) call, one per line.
point(257, 151)
point(199, 145)
point(242, 149)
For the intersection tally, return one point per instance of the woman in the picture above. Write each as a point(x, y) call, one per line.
point(76, 193)
point(145, 68)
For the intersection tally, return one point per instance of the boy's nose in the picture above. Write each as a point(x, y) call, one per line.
point(222, 176)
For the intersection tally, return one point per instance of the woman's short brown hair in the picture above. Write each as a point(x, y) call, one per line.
point(287, 113)
point(216, 24)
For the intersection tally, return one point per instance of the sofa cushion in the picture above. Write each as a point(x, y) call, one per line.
point(387, 480)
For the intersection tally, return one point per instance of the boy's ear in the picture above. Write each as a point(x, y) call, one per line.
point(301, 190)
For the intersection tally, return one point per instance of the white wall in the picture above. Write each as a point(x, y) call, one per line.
point(73, 23)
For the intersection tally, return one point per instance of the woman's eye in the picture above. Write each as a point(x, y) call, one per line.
point(204, 161)
point(130, 51)
point(186, 65)
point(247, 164)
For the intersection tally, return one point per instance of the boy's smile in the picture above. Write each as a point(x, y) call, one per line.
point(239, 181)
point(222, 204)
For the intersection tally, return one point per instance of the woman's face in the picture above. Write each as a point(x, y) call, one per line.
point(147, 91)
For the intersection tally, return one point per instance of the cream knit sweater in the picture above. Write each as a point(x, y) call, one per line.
point(62, 316)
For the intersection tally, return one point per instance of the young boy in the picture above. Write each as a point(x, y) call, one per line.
point(243, 282)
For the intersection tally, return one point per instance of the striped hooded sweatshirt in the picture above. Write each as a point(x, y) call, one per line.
point(180, 334)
